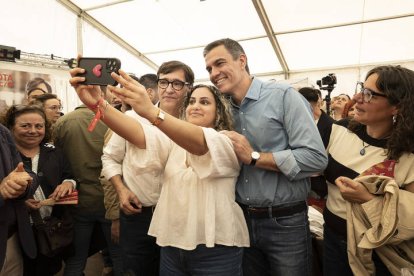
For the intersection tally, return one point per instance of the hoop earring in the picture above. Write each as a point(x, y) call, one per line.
point(394, 119)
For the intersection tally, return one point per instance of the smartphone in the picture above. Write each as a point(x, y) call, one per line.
point(98, 70)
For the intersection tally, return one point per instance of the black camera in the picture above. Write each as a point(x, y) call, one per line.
point(329, 80)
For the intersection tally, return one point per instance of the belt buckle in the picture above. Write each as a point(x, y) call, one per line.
point(252, 210)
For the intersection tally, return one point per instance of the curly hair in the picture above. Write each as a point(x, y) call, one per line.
point(15, 111)
point(398, 84)
point(224, 118)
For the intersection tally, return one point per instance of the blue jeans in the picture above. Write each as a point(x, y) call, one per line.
point(217, 260)
point(335, 256)
point(278, 246)
point(141, 255)
point(83, 226)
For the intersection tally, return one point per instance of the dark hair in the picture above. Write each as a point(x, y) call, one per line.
point(41, 99)
point(398, 84)
point(16, 111)
point(232, 46)
point(174, 65)
point(224, 118)
point(34, 83)
point(149, 81)
point(310, 94)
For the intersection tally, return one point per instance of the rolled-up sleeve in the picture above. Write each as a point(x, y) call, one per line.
point(306, 154)
point(113, 156)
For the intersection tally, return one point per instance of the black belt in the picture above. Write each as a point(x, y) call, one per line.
point(274, 212)
point(149, 209)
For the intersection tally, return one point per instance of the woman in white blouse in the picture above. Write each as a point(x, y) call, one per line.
point(197, 223)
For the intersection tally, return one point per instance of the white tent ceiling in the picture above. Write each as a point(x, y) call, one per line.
point(280, 37)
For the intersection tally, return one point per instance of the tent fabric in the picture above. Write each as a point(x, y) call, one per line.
point(313, 37)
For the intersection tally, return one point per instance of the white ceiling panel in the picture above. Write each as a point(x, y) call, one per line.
point(41, 27)
point(161, 25)
point(299, 14)
point(310, 35)
point(388, 41)
point(321, 48)
point(98, 45)
point(378, 9)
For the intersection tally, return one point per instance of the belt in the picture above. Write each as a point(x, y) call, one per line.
point(11, 230)
point(149, 209)
point(275, 211)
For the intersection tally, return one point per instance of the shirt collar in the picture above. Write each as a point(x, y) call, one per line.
point(253, 93)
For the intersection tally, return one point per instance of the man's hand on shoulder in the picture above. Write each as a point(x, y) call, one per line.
point(241, 146)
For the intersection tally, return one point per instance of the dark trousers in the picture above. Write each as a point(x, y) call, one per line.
point(218, 260)
point(278, 246)
point(141, 255)
point(84, 227)
point(335, 256)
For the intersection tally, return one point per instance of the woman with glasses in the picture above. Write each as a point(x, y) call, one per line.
point(51, 105)
point(197, 223)
point(369, 157)
point(30, 130)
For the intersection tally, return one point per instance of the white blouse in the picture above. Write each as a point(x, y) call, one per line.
point(197, 201)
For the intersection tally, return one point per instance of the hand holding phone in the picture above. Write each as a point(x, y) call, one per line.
point(98, 70)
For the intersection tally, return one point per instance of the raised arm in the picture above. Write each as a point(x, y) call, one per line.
point(91, 96)
point(186, 135)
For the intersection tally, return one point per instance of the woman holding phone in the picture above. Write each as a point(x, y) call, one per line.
point(197, 223)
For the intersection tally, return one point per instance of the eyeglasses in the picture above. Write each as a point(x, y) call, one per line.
point(367, 93)
point(55, 107)
point(176, 84)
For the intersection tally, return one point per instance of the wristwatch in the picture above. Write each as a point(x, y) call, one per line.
point(255, 156)
point(160, 117)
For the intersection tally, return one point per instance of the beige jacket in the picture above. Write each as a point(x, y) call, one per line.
point(385, 223)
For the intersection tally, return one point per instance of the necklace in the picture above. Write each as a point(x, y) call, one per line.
point(362, 151)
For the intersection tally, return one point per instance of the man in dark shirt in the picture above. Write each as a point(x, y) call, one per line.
point(16, 185)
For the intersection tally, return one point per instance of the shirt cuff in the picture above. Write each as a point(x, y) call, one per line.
point(71, 180)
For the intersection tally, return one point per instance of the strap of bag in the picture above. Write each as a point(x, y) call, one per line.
point(36, 217)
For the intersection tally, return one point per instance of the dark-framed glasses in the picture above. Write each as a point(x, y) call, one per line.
point(176, 84)
point(366, 92)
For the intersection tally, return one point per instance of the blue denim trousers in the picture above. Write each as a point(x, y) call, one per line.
point(219, 260)
point(278, 246)
point(335, 256)
point(83, 226)
point(141, 255)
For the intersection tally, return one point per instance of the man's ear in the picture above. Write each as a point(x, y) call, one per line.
point(243, 61)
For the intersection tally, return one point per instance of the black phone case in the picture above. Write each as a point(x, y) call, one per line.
point(98, 70)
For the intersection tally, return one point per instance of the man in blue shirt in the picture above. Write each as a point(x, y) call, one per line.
point(280, 148)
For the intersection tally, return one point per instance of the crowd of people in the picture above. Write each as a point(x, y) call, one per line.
point(182, 179)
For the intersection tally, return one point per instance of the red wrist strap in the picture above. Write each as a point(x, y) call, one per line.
point(98, 115)
point(95, 106)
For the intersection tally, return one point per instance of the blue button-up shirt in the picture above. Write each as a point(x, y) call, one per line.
point(275, 118)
